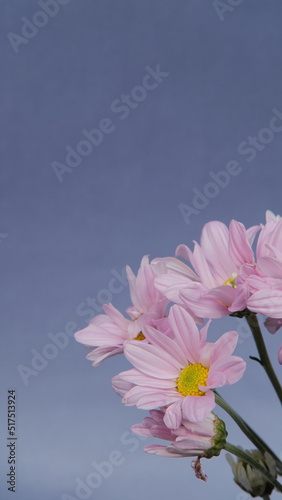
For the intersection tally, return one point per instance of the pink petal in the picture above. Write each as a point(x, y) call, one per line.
point(145, 285)
point(269, 215)
point(138, 378)
point(232, 368)
point(267, 302)
point(195, 290)
point(215, 379)
point(240, 298)
point(214, 241)
point(204, 307)
point(195, 445)
point(205, 355)
point(197, 408)
point(224, 346)
point(239, 247)
point(170, 346)
point(148, 398)
point(183, 252)
point(156, 312)
point(151, 427)
point(161, 450)
point(224, 294)
point(264, 238)
point(274, 252)
point(99, 354)
point(251, 233)
point(116, 316)
point(97, 336)
point(175, 266)
point(186, 333)
point(170, 285)
point(144, 261)
point(151, 360)
point(162, 325)
point(173, 415)
point(280, 355)
point(272, 324)
point(157, 415)
point(132, 287)
point(201, 266)
point(275, 237)
point(271, 267)
point(158, 397)
point(204, 331)
point(141, 430)
point(120, 386)
point(187, 450)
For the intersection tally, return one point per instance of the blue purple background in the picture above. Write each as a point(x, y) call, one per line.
point(61, 242)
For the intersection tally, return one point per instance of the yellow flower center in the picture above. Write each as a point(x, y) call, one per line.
point(190, 378)
point(231, 281)
point(140, 336)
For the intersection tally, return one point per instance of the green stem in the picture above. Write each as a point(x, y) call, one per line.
point(264, 358)
point(266, 497)
point(249, 460)
point(250, 433)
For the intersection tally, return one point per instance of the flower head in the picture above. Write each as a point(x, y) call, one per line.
point(211, 291)
point(180, 372)
point(201, 439)
point(108, 332)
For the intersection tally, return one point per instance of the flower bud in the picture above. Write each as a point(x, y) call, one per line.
point(219, 438)
point(192, 439)
point(250, 479)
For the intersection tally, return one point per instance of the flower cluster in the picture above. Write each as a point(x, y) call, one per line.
point(175, 369)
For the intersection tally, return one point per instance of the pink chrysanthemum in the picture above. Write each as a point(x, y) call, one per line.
point(181, 372)
point(189, 440)
point(266, 297)
point(108, 332)
point(210, 292)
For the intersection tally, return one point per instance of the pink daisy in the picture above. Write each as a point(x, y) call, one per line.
point(181, 372)
point(210, 292)
point(189, 440)
point(108, 332)
point(266, 298)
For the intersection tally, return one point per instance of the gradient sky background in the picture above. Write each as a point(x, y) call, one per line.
point(61, 242)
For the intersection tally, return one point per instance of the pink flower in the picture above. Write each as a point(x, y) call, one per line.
point(271, 216)
point(280, 355)
point(273, 324)
point(108, 332)
point(211, 292)
point(266, 297)
point(181, 372)
point(198, 439)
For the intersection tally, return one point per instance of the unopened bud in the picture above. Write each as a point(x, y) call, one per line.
point(218, 439)
point(250, 479)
